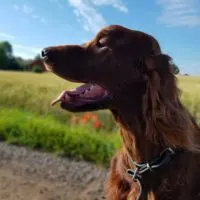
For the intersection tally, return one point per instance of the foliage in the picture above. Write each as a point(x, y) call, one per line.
point(4, 56)
point(7, 48)
point(22, 63)
point(31, 130)
point(36, 69)
point(37, 57)
point(7, 60)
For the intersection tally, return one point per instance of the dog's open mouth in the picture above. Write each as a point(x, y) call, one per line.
point(83, 95)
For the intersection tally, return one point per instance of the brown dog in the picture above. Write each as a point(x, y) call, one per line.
point(125, 71)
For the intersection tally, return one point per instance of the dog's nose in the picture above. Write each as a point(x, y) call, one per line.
point(44, 53)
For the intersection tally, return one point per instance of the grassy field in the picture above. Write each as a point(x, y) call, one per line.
point(190, 87)
point(26, 117)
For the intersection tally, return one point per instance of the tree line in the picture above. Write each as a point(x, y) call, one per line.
point(10, 62)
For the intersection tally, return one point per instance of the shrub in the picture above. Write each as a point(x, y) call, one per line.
point(45, 133)
point(36, 69)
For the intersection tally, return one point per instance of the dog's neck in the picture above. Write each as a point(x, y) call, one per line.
point(135, 140)
point(141, 147)
point(152, 122)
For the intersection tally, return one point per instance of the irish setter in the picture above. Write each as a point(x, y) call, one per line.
point(126, 72)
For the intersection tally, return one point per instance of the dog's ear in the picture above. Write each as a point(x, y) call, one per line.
point(161, 63)
point(161, 77)
point(162, 109)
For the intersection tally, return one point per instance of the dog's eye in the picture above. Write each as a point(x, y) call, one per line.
point(101, 43)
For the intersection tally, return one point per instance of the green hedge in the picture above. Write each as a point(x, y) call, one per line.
point(44, 133)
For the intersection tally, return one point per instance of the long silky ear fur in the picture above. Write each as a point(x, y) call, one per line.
point(167, 121)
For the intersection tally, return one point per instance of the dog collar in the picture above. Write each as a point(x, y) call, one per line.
point(141, 168)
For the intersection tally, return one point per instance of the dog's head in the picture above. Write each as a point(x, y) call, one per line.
point(113, 67)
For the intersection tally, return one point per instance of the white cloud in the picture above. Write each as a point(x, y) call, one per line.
point(179, 13)
point(32, 49)
point(114, 3)
point(87, 14)
point(24, 54)
point(7, 36)
point(25, 51)
point(28, 10)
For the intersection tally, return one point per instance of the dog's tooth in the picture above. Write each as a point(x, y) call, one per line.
point(67, 97)
point(72, 90)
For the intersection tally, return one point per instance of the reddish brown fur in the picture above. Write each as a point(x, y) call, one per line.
point(147, 106)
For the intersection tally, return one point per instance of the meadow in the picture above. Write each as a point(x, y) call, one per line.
point(27, 118)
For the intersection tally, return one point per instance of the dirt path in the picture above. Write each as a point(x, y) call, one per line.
point(30, 175)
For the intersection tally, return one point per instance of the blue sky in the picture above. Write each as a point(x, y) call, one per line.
point(32, 25)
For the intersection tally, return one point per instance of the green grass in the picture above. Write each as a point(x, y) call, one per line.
point(190, 87)
point(44, 133)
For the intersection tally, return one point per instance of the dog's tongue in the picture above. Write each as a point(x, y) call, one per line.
point(86, 92)
point(93, 91)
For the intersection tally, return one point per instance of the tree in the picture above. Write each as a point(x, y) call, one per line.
point(21, 63)
point(4, 60)
point(7, 60)
point(37, 57)
point(7, 48)
point(36, 69)
point(5, 55)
